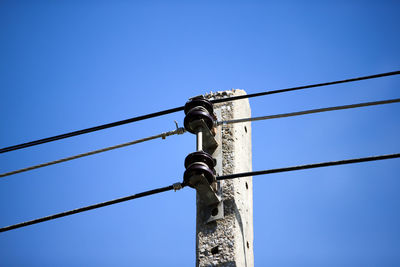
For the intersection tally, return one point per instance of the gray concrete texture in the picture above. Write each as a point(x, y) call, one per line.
point(229, 241)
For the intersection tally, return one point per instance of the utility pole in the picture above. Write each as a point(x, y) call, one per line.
point(227, 238)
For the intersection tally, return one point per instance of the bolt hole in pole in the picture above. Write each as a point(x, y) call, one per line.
point(214, 212)
point(248, 245)
point(247, 186)
point(245, 129)
point(215, 250)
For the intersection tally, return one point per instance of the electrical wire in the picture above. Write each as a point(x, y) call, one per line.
point(304, 112)
point(177, 186)
point(163, 136)
point(173, 110)
point(309, 166)
point(91, 207)
point(89, 130)
point(221, 100)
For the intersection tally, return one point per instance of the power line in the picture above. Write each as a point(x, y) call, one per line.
point(173, 110)
point(305, 87)
point(163, 135)
point(304, 112)
point(175, 187)
point(178, 186)
point(309, 166)
point(89, 130)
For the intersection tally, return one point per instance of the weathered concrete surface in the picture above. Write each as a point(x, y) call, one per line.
point(229, 242)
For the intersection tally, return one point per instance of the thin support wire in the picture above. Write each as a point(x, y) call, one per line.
point(304, 112)
point(162, 135)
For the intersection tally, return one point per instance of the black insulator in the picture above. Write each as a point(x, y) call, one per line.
point(193, 117)
point(198, 168)
point(199, 101)
point(200, 156)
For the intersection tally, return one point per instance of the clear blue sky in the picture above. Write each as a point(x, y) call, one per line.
point(67, 65)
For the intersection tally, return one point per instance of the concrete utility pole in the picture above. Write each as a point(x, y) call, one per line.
point(228, 241)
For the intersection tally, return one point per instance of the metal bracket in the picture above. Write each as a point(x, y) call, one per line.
point(216, 211)
point(211, 199)
point(210, 195)
point(207, 194)
point(213, 210)
point(209, 143)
